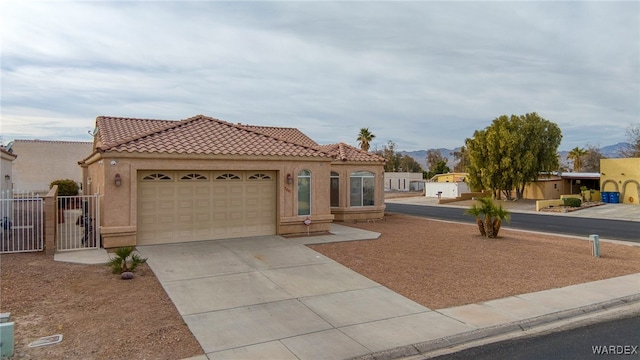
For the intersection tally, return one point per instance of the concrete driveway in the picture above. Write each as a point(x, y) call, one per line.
point(271, 297)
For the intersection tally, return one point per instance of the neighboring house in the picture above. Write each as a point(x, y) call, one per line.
point(553, 185)
point(40, 162)
point(403, 181)
point(449, 177)
point(202, 178)
point(6, 171)
point(621, 176)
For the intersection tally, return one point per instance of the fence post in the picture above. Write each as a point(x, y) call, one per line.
point(50, 213)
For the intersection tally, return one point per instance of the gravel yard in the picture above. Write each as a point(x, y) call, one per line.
point(437, 264)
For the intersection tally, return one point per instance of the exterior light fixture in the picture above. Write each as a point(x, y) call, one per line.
point(289, 179)
point(7, 178)
point(118, 180)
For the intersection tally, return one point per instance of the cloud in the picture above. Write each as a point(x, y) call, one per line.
point(423, 74)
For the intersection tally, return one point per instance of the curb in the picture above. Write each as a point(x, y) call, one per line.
point(483, 333)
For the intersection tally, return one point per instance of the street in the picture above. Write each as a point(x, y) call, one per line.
point(577, 226)
point(614, 339)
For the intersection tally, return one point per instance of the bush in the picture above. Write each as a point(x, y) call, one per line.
point(66, 187)
point(572, 202)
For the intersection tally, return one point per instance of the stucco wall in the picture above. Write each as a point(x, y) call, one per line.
point(6, 172)
point(623, 176)
point(400, 181)
point(40, 162)
point(119, 204)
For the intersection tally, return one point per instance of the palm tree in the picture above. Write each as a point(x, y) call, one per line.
point(489, 216)
point(364, 139)
point(576, 155)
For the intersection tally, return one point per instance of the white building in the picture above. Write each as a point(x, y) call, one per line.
point(403, 181)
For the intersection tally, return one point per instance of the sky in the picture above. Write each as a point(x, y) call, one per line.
point(423, 74)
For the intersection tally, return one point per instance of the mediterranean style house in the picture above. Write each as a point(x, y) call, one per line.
point(165, 181)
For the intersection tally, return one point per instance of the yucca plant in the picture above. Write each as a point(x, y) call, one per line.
point(125, 260)
point(489, 216)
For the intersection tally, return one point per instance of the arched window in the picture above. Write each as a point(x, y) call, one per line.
point(334, 194)
point(304, 192)
point(362, 188)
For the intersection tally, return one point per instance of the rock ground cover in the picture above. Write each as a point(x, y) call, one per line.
point(437, 264)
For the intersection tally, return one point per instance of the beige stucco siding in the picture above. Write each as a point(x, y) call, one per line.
point(623, 176)
point(40, 162)
point(119, 204)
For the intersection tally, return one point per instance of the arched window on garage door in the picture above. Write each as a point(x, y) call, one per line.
point(304, 192)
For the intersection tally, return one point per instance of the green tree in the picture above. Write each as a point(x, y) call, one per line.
point(489, 216)
point(409, 164)
point(439, 168)
point(434, 157)
point(576, 154)
point(512, 152)
point(364, 139)
point(391, 157)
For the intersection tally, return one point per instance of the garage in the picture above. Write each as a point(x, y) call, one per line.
point(181, 206)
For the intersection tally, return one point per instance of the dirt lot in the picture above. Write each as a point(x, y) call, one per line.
point(437, 264)
point(440, 264)
point(99, 315)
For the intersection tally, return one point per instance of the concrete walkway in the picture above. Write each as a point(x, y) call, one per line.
point(270, 297)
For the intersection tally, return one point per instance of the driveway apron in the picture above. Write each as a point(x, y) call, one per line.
point(271, 297)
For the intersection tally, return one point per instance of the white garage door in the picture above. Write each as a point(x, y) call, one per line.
point(179, 206)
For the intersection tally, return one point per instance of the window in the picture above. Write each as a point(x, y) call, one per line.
point(228, 176)
point(193, 176)
point(156, 177)
point(259, 176)
point(335, 189)
point(362, 188)
point(304, 192)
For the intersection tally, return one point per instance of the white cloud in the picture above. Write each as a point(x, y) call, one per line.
point(423, 74)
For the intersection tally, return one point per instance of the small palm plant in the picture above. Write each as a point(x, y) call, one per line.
point(489, 216)
point(125, 261)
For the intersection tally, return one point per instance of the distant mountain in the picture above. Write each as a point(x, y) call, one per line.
point(610, 151)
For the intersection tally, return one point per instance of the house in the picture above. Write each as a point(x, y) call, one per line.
point(40, 162)
point(621, 177)
point(449, 177)
point(6, 170)
point(552, 185)
point(164, 181)
point(403, 181)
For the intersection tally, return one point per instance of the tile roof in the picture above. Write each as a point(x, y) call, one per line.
point(197, 135)
point(345, 152)
point(288, 134)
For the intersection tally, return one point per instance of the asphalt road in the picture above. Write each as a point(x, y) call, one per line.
point(616, 339)
point(606, 229)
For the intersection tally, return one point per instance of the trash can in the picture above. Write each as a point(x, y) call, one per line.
point(604, 196)
point(614, 197)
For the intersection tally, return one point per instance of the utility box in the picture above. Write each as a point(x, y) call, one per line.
point(6, 336)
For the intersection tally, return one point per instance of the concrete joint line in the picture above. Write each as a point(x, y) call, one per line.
point(520, 326)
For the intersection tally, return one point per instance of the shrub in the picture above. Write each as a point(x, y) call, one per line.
point(66, 187)
point(125, 260)
point(572, 202)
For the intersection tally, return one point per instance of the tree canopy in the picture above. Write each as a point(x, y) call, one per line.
point(364, 139)
point(577, 154)
point(511, 152)
point(394, 161)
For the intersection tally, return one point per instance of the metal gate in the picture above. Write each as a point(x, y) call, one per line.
point(21, 222)
point(78, 221)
